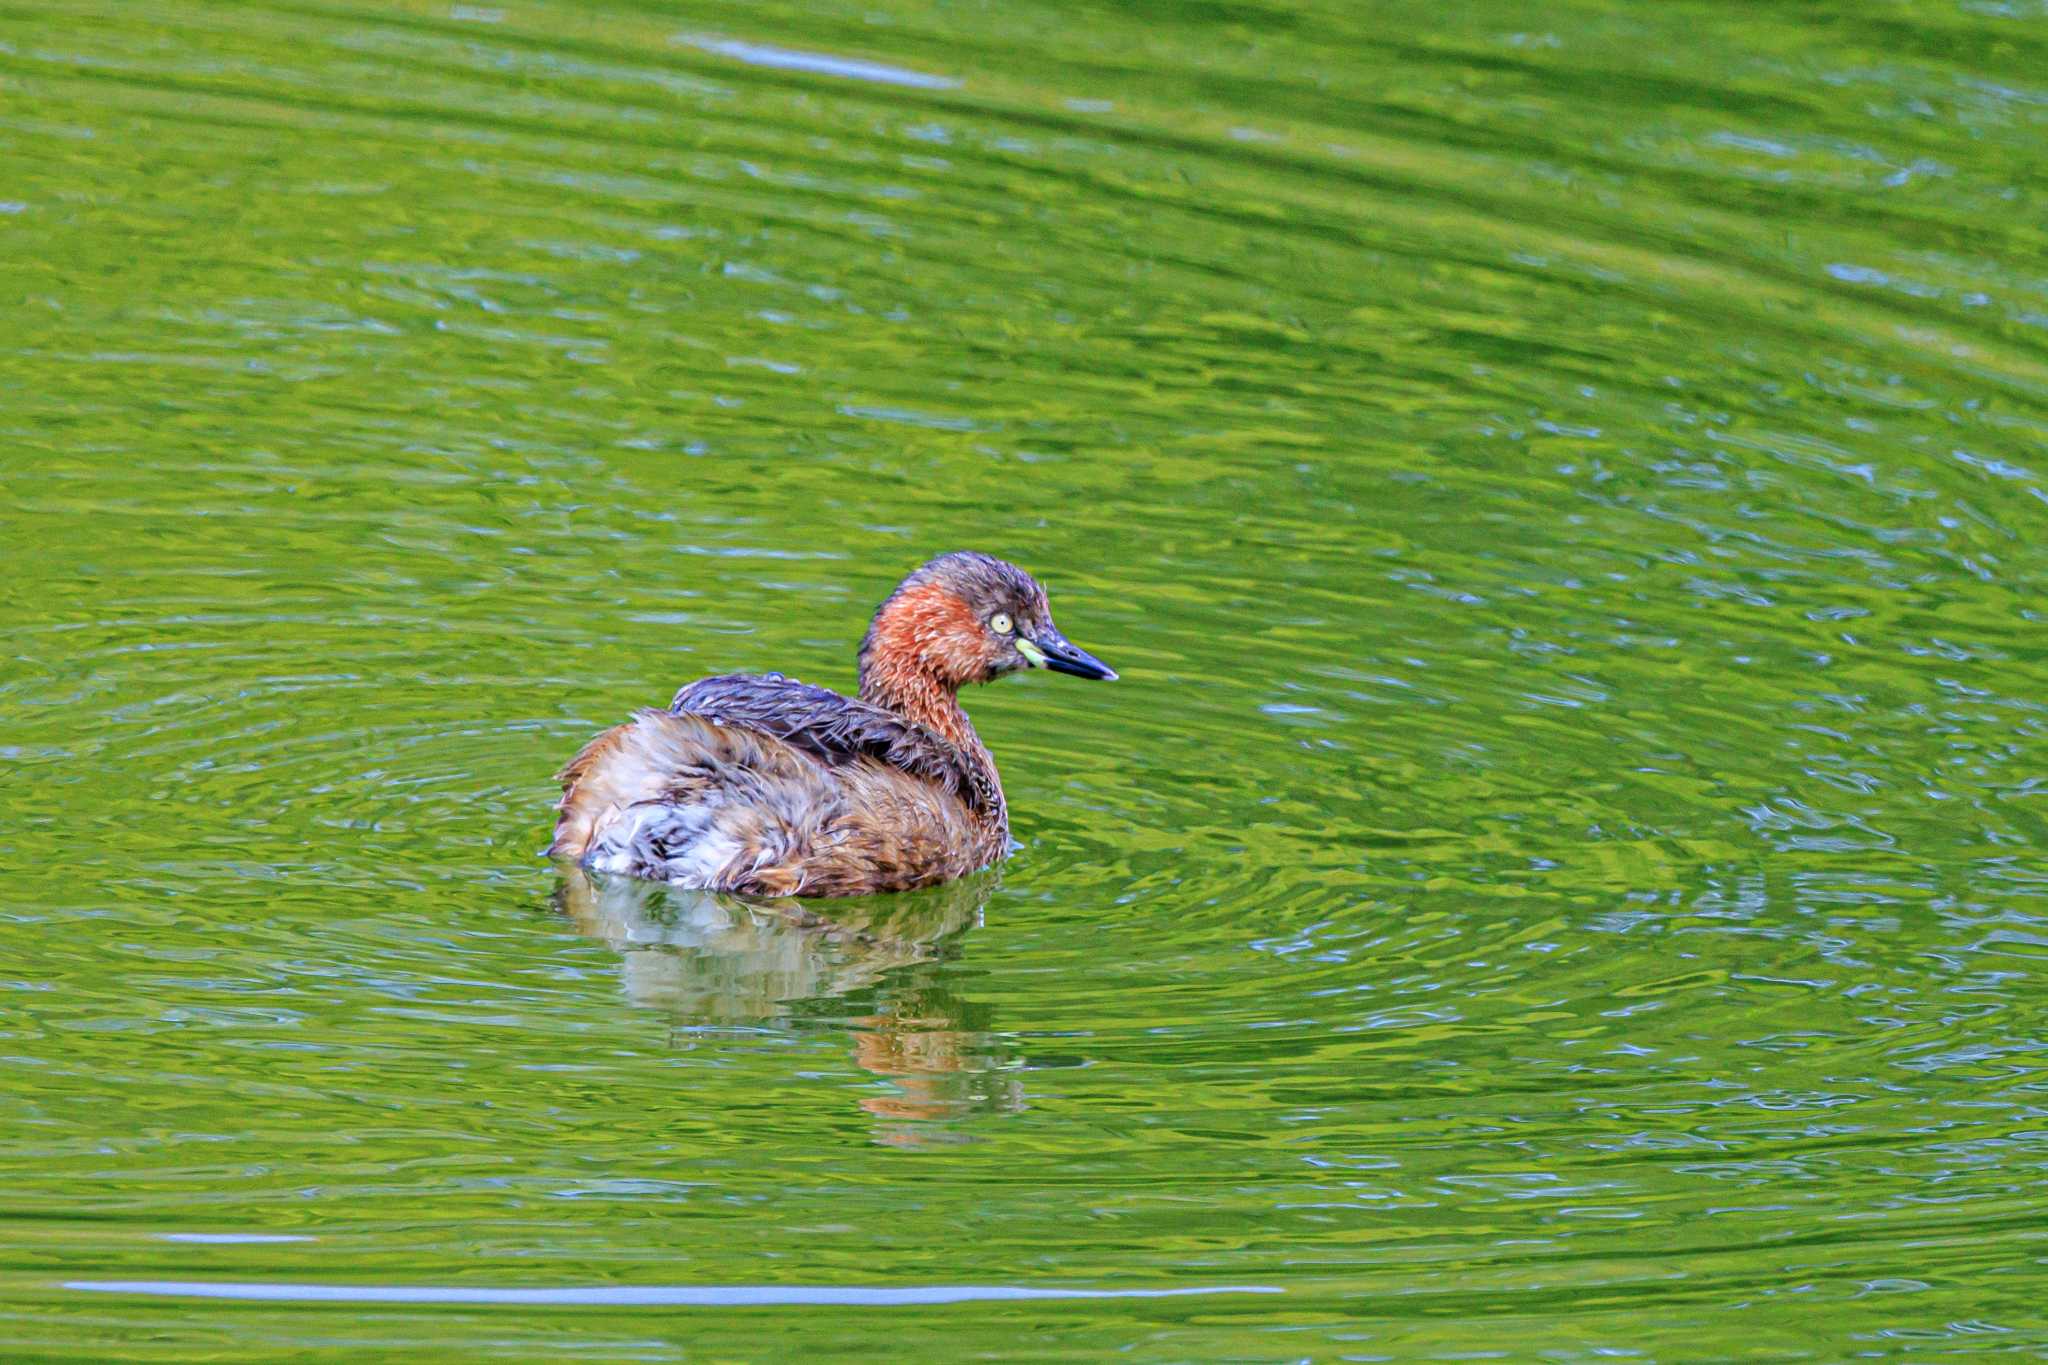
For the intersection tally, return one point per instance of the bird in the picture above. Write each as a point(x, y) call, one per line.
point(758, 784)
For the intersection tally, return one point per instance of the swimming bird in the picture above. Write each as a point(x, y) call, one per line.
point(763, 785)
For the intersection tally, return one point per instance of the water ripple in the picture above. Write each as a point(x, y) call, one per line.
point(639, 1296)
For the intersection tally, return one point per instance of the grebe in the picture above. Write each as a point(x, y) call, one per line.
point(767, 786)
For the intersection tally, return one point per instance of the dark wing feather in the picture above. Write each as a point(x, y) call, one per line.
point(831, 727)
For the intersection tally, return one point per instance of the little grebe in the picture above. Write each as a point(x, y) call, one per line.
point(767, 786)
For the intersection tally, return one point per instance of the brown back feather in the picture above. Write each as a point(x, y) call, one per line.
point(835, 728)
point(785, 820)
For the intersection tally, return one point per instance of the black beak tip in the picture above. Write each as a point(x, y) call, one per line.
point(1064, 656)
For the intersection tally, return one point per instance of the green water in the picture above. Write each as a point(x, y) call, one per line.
point(1561, 875)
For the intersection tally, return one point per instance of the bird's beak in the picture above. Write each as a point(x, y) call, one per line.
point(1050, 649)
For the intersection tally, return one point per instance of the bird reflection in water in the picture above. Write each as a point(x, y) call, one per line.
point(708, 959)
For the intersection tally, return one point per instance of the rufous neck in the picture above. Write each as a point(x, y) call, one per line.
point(923, 699)
point(918, 696)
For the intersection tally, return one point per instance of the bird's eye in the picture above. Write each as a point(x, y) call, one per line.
point(1000, 623)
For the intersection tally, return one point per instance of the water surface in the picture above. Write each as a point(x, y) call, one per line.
point(1560, 876)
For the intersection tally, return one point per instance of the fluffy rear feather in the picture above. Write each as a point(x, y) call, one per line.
point(688, 800)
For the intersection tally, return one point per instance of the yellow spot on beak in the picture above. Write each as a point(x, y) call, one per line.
point(1033, 655)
